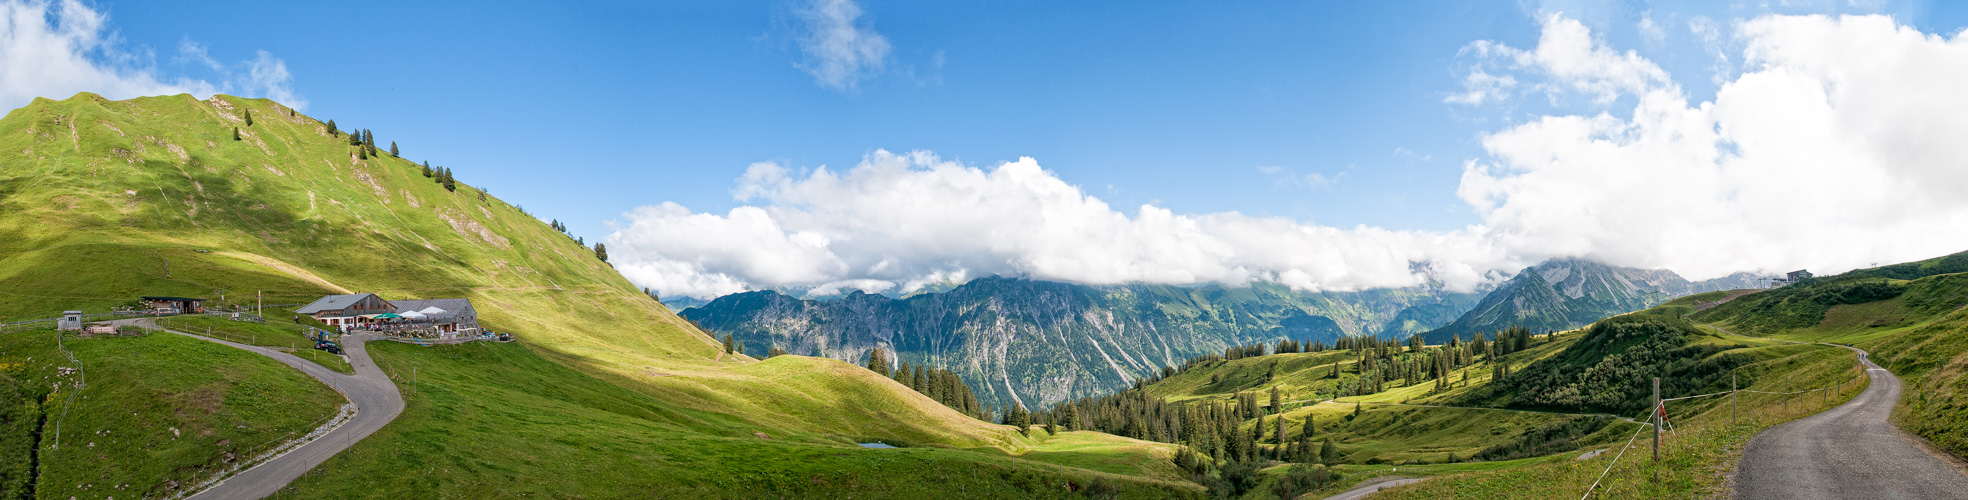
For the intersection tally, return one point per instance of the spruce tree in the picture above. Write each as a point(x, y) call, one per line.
point(1328, 454)
point(730, 343)
point(427, 170)
point(450, 183)
point(1279, 451)
point(876, 362)
point(235, 133)
point(361, 153)
point(393, 149)
point(601, 251)
point(249, 118)
point(332, 131)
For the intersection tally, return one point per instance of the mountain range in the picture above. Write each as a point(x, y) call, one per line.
point(1035, 343)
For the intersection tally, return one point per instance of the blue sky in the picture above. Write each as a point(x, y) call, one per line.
point(1328, 114)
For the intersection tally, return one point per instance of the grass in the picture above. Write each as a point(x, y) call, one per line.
point(158, 411)
point(1102, 452)
point(111, 200)
point(473, 404)
point(285, 336)
point(1694, 458)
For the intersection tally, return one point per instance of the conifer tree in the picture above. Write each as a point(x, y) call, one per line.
point(332, 131)
point(601, 251)
point(730, 343)
point(1277, 400)
point(249, 118)
point(1278, 452)
point(235, 133)
point(393, 149)
point(361, 153)
point(775, 351)
point(427, 170)
point(450, 183)
point(877, 362)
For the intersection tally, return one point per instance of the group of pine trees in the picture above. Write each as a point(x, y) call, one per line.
point(943, 386)
point(1243, 430)
point(442, 175)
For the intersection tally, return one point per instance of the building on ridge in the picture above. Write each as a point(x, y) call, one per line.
point(344, 311)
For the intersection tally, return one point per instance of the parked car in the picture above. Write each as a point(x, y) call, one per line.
point(329, 346)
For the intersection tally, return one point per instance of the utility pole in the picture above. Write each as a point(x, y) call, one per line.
point(1657, 429)
point(1733, 404)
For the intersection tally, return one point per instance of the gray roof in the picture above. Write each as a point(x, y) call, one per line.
point(334, 303)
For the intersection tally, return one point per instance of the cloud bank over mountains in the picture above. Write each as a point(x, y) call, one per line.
point(57, 50)
point(1833, 146)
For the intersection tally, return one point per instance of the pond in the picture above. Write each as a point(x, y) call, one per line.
point(876, 445)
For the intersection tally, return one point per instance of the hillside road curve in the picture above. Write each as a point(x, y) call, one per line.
point(376, 400)
point(1851, 451)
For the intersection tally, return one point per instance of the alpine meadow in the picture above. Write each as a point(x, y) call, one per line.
point(874, 249)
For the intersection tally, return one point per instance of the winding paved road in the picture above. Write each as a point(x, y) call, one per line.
point(1851, 451)
point(376, 400)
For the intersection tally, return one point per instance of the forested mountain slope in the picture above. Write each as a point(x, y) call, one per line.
point(1563, 294)
point(1038, 342)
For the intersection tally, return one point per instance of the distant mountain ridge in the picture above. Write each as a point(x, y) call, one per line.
point(1042, 342)
point(1562, 294)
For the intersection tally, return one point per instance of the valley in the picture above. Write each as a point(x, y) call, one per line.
point(1533, 389)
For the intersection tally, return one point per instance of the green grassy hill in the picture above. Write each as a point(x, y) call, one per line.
point(109, 200)
point(1520, 425)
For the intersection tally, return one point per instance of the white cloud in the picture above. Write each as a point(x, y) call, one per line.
point(903, 221)
point(1836, 148)
point(1568, 57)
point(1650, 30)
point(56, 50)
point(1287, 178)
point(840, 50)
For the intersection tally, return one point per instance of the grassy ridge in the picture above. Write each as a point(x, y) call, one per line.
point(109, 200)
point(473, 405)
point(156, 410)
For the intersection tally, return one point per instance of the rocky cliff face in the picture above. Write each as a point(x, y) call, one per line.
point(1569, 293)
point(1037, 343)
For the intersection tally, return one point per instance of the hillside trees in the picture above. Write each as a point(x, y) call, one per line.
point(878, 362)
point(393, 149)
point(332, 131)
point(601, 251)
point(428, 173)
point(235, 133)
point(249, 118)
point(1613, 366)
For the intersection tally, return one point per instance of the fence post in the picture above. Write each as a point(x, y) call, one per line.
point(1657, 411)
point(1733, 404)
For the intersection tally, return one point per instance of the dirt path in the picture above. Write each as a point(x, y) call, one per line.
point(1374, 487)
point(1851, 451)
point(376, 401)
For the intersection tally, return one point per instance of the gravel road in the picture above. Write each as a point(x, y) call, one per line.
point(376, 400)
point(1851, 451)
point(1374, 487)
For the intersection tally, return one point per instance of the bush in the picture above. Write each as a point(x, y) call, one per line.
point(1233, 479)
point(1302, 479)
